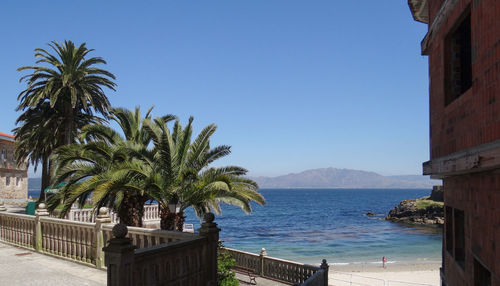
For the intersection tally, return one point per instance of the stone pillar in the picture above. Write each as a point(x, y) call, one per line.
point(2, 206)
point(119, 258)
point(325, 267)
point(262, 255)
point(102, 218)
point(39, 213)
point(210, 230)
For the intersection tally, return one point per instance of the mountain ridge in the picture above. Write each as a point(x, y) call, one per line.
point(344, 178)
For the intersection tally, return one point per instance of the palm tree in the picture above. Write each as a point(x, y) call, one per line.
point(177, 171)
point(63, 88)
point(35, 139)
point(95, 169)
point(69, 82)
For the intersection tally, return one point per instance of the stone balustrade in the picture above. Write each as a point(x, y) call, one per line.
point(145, 237)
point(189, 261)
point(156, 255)
point(75, 240)
point(279, 269)
point(18, 229)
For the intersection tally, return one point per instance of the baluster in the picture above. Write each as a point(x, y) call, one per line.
point(51, 237)
point(60, 250)
point(73, 241)
point(84, 245)
point(78, 243)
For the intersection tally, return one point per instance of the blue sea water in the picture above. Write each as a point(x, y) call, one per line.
point(307, 225)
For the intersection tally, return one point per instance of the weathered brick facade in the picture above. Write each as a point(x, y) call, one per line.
point(463, 45)
point(13, 178)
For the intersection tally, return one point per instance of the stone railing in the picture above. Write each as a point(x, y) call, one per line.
point(18, 229)
point(150, 213)
point(278, 269)
point(150, 218)
point(146, 237)
point(74, 240)
point(319, 278)
point(190, 261)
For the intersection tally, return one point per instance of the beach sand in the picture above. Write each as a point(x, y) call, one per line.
point(394, 274)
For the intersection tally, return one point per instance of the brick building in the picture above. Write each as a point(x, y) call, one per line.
point(463, 46)
point(13, 178)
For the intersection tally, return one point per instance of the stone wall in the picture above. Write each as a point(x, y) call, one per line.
point(13, 179)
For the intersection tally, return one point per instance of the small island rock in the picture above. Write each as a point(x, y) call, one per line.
point(419, 211)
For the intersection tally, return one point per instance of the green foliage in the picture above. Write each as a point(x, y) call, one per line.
point(225, 277)
point(64, 90)
point(425, 204)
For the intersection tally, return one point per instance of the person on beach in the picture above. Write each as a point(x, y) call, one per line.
point(384, 260)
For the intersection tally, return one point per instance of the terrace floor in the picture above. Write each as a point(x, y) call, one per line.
point(19, 266)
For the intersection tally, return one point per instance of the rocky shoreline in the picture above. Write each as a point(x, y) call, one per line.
point(427, 210)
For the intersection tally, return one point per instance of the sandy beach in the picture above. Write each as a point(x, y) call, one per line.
point(394, 274)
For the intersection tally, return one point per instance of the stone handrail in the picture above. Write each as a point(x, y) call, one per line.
point(246, 259)
point(319, 278)
point(287, 271)
point(276, 268)
point(70, 239)
point(167, 256)
point(150, 212)
point(145, 237)
point(189, 261)
point(74, 240)
point(17, 229)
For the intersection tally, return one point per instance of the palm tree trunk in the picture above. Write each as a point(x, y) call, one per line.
point(68, 124)
point(131, 210)
point(167, 219)
point(45, 177)
point(179, 220)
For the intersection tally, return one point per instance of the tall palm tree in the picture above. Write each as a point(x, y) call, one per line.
point(63, 87)
point(68, 81)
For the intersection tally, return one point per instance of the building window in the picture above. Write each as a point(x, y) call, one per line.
point(7, 181)
point(459, 225)
point(449, 230)
point(482, 277)
point(17, 181)
point(458, 78)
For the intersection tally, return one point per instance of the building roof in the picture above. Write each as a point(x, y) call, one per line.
point(6, 137)
point(419, 10)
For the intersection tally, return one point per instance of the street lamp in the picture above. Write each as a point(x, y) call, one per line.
point(173, 205)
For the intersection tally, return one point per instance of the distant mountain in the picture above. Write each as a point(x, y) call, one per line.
point(329, 178)
point(345, 178)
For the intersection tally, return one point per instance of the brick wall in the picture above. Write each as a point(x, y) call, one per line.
point(473, 118)
point(478, 196)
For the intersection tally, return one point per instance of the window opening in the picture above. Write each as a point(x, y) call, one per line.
point(459, 60)
point(459, 219)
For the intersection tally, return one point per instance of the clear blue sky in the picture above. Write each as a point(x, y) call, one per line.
point(292, 85)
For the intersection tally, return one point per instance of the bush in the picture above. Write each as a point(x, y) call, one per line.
point(225, 277)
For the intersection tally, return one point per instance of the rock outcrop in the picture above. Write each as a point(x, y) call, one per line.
point(419, 211)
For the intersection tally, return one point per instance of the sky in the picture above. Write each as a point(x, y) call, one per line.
point(292, 85)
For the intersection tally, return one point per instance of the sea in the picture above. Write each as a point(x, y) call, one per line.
point(308, 225)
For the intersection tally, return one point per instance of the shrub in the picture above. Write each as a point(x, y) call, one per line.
point(225, 277)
